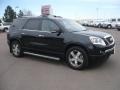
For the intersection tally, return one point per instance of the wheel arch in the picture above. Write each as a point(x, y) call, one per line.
point(76, 44)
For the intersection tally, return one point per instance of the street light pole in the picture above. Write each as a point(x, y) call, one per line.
point(97, 10)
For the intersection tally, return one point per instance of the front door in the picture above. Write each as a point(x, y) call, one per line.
point(51, 41)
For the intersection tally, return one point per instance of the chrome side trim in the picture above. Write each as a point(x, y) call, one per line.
point(44, 56)
point(36, 30)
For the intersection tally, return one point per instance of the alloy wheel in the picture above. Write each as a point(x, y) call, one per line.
point(76, 58)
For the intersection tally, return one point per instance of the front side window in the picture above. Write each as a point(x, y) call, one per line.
point(48, 25)
point(32, 24)
point(71, 25)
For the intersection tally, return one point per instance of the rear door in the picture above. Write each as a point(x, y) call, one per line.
point(30, 32)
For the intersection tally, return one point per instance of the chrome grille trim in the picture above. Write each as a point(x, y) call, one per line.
point(109, 36)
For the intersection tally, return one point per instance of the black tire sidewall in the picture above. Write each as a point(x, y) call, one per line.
point(85, 62)
point(109, 26)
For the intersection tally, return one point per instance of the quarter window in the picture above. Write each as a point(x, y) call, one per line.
point(48, 25)
point(32, 24)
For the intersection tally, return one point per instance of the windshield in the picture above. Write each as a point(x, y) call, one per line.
point(72, 25)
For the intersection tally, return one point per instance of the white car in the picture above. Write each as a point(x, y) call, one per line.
point(111, 23)
point(118, 26)
point(99, 24)
point(4, 27)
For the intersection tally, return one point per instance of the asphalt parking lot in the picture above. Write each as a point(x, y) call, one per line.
point(35, 73)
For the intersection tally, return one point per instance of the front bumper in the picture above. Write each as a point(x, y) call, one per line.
point(102, 51)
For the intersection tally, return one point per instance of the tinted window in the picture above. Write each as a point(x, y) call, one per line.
point(0, 24)
point(113, 20)
point(71, 25)
point(32, 24)
point(119, 19)
point(48, 25)
point(0, 21)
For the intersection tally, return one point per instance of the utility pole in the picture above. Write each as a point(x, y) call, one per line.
point(97, 11)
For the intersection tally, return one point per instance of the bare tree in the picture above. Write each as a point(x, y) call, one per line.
point(27, 13)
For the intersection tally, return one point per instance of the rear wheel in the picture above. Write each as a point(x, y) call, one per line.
point(99, 26)
point(6, 29)
point(118, 29)
point(16, 49)
point(109, 26)
point(76, 58)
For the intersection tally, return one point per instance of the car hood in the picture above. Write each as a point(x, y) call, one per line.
point(92, 33)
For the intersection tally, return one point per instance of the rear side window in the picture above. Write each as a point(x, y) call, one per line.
point(0, 21)
point(18, 23)
point(32, 24)
point(48, 25)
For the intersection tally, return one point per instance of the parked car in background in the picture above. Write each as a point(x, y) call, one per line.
point(4, 26)
point(111, 23)
point(98, 24)
point(118, 26)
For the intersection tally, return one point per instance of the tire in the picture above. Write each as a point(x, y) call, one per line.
point(6, 29)
point(16, 49)
point(76, 58)
point(99, 26)
point(118, 29)
point(109, 26)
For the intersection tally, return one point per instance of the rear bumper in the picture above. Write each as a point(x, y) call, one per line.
point(118, 27)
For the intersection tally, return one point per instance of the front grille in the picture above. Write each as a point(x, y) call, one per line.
point(110, 39)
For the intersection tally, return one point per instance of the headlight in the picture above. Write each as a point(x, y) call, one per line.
point(97, 41)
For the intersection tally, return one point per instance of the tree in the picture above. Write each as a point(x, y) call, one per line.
point(9, 14)
point(20, 14)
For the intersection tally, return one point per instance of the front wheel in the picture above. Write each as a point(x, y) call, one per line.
point(77, 58)
point(16, 49)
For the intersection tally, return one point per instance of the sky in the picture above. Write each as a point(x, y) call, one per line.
point(73, 9)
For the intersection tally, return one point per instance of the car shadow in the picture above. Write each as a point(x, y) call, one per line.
point(96, 63)
point(93, 63)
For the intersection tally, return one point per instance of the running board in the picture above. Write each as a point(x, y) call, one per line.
point(44, 56)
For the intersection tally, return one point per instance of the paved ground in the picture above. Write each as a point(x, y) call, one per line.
point(34, 73)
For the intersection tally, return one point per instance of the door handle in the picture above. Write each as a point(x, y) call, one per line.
point(41, 35)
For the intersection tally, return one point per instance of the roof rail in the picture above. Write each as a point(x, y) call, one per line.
point(51, 16)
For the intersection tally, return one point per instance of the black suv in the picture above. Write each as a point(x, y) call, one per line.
point(58, 38)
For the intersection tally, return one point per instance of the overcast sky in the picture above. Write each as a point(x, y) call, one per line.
point(73, 9)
